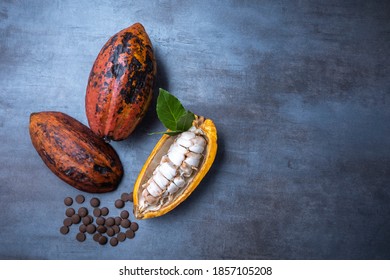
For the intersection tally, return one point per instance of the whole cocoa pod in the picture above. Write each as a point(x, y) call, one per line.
point(74, 153)
point(120, 84)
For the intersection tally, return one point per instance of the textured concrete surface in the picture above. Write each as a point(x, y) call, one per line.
point(300, 94)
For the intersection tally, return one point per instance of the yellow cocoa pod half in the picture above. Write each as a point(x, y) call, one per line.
point(174, 169)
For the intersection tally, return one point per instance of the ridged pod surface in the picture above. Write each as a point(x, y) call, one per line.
point(167, 200)
point(120, 85)
point(74, 153)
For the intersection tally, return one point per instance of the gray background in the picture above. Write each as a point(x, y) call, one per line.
point(299, 92)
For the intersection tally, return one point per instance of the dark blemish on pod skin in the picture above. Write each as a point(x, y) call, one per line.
point(135, 64)
point(43, 126)
point(149, 63)
point(112, 163)
point(69, 171)
point(140, 43)
point(102, 169)
point(108, 74)
point(98, 109)
point(81, 155)
point(126, 40)
point(47, 156)
point(115, 55)
point(140, 78)
point(117, 70)
point(126, 95)
point(58, 140)
point(79, 177)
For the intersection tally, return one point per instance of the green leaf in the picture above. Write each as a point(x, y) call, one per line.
point(172, 114)
point(169, 109)
point(185, 121)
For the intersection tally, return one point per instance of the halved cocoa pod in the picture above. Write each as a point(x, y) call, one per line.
point(120, 85)
point(174, 169)
point(74, 153)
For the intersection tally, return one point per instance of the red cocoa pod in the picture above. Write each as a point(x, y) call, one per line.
point(74, 153)
point(120, 85)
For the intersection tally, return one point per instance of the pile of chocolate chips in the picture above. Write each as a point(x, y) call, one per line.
point(103, 228)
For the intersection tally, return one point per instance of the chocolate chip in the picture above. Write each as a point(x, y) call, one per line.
point(76, 219)
point(68, 222)
point(125, 197)
point(134, 226)
point(119, 203)
point(113, 241)
point(82, 211)
point(102, 240)
point(100, 221)
point(101, 229)
point(91, 228)
point(118, 220)
point(64, 229)
point(121, 236)
point(96, 236)
point(82, 228)
point(80, 236)
point(125, 214)
point(110, 231)
point(97, 212)
point(116, 228)
point(80, 199)
point(68, 201)
point(104, 211)
point(125, 223)
point(87, 220)
point(130, 234)
point(110, 222)
point(70, 212)
point(95, 202)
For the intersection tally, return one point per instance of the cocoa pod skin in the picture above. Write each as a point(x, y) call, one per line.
point(74, 153)
point(120, 84)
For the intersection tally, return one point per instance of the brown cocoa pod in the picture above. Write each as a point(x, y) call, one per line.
point(120, 84)
point(74, 153)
